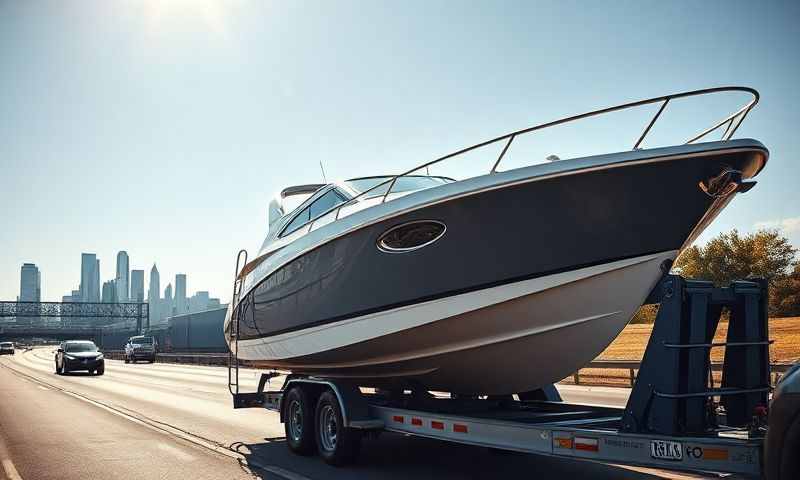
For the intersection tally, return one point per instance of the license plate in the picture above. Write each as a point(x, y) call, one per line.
point(666, 450)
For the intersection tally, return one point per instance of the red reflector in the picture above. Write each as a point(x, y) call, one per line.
point(458, 428)
point(416, 421)
point(437, 425)
point(398, 419)
point(587, 444)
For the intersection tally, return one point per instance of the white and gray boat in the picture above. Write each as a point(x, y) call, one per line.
point(495, 284)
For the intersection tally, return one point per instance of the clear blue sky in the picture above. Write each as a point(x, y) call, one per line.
point(163, 127)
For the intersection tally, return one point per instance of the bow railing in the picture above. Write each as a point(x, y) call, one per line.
point(730, 123)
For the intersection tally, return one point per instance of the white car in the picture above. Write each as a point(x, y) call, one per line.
point(140, 348)
point(6, 348)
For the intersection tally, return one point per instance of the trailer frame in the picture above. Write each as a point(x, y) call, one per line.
point(673, 420)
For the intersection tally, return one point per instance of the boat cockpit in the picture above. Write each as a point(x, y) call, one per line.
point(296, 207)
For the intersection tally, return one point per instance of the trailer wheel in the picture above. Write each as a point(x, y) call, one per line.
point(299, 422)
point(336, 444)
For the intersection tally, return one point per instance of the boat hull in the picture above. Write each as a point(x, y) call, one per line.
point(478, 342)
point(502, 302)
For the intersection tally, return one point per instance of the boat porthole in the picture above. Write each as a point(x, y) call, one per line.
point(411, 236)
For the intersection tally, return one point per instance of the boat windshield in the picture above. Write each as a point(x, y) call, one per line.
point(403, 184)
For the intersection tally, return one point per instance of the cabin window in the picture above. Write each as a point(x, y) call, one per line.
point(411, 236)
point(320, 206)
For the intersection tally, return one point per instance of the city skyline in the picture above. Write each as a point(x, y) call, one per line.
point(92, 289)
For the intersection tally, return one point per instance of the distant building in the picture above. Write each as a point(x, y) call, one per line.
point(201, 302)
point(110, 294)
point(169, 303)
point(30, 283)
point(154, 295)
point(137, 286)
point(90, 278)
point(97, 278)
point(30, 289)
point(181, 305)
point(122, 280)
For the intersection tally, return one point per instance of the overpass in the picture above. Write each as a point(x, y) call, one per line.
point(72, 320)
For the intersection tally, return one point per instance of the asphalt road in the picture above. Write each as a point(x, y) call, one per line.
point(176, 421)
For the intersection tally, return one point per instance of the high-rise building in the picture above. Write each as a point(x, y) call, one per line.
point(110, 292)
point(90, 278)
point(181, 305)
point(97, 278)
point(137, 286)
point(123, 277)
point(30, 283)
point(169, 303)
point(154, 295)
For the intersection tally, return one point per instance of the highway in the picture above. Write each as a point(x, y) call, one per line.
point(176, 421)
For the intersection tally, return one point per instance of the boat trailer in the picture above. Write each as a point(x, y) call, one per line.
point(676, 416)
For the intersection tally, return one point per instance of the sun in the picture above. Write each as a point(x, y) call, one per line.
point(211, 13)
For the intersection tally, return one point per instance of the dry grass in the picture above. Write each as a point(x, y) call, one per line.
point(631, 343)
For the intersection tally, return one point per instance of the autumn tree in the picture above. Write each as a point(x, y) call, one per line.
point(731, 256)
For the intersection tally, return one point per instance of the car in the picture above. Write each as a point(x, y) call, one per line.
point(6, 348)
point(140, 347)
point(74, 355)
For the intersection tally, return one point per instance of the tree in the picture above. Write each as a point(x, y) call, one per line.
point(731, 256)
point(784, 300)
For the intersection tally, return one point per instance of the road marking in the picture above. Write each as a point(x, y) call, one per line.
point(175, 451)
point(162, 428)
point(11, 472)
point(281, 472)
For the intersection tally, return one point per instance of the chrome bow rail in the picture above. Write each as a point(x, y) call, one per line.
point(730, 122)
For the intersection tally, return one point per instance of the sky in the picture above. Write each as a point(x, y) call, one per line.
point(163, 127)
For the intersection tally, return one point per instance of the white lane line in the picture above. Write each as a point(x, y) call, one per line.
point(11, 471)
point(176, 452)
point(166, 429)
point(282, 472)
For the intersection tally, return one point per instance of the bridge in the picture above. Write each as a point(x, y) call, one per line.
point(72, 320)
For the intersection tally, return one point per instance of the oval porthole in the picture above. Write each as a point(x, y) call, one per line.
point(411, 236)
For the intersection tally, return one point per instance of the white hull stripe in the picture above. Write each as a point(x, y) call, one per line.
point(354, 330)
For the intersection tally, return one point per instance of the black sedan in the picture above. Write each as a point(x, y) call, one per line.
point(76, 355)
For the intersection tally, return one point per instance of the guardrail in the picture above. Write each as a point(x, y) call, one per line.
point(632, 366)
point(191, 358)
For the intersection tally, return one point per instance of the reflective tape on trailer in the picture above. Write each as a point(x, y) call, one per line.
point(586, 444)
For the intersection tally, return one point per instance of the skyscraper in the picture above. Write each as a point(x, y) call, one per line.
point(97, 278)
point(181, 305)
point(137, 286)
point(90, 278)
point(154, 295)
point(123, 277)
point(110, 292)
point(169, 304)
point(30, 283)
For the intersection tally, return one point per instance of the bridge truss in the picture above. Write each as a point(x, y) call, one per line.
point(98, 314)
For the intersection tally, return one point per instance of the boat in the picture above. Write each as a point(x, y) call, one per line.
point(497, 284)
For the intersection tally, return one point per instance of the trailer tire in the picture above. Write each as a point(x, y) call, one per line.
point(299, 422)
point(337, 445)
